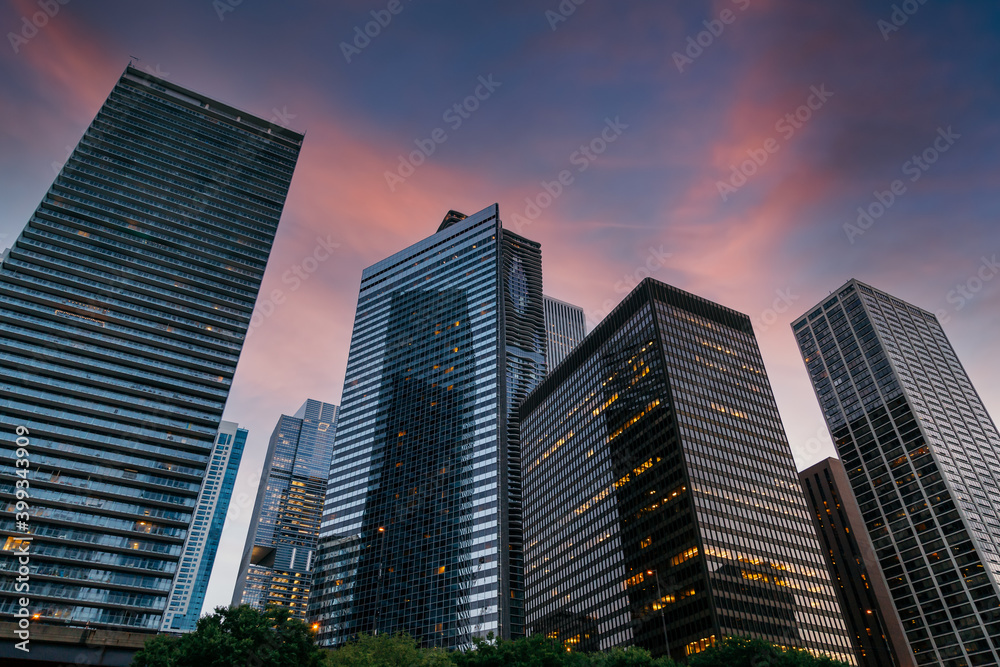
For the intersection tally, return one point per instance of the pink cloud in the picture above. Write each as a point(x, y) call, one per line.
point(70, 65)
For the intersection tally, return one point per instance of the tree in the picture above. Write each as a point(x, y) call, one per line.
point(236, 637)
point(539, 651)
point(387, 651)
point(745, 652)
point(632, 656)
point(533, 651)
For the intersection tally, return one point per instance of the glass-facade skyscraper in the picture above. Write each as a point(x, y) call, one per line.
point(661, 502)
point(923, 459)
point(565, 327)
point(124, 304)
point(422, 531)
point(280, 553)
point(188, 593)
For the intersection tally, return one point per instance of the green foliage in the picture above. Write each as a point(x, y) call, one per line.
point(236, 637)
point(243, 637)
point(744, 652)
point(387, 651)
point(628, 657)
point(538, 651)
point(534, 651)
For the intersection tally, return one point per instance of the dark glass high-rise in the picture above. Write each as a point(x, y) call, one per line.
point(661, 502)
point(422, 530)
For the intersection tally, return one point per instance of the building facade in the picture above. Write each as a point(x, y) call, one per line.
point(565, 327)
point(188, 593)
point(662, 504)
point(923, 459)
point(124, 304)
point(280, 552)
point(872, 622)
point(422, 531)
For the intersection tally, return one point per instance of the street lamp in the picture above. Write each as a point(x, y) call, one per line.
point(663, 619)
point(381, 569)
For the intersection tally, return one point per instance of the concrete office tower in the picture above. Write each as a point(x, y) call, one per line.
point(280, 552)
point(124, 304)
point(922, 458)
point(662, 507)
point(188, 593)
point(422, 529)
point(872, 621)
point(564, 329)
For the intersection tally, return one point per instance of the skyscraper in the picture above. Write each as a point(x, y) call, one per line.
point(864, 597)
point(564, 329)
point(422, 526)
point(921, 454)
point(280, 551)
point(662, 505)
point(188, 593)
point(124, 304)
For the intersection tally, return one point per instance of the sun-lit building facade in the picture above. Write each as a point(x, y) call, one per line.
point(864, 596)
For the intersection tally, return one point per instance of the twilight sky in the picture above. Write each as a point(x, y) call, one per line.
point(721, 147)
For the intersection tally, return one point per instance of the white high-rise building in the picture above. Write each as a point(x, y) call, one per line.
point(564, 329)
point(188, 593)
point(922, 457)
